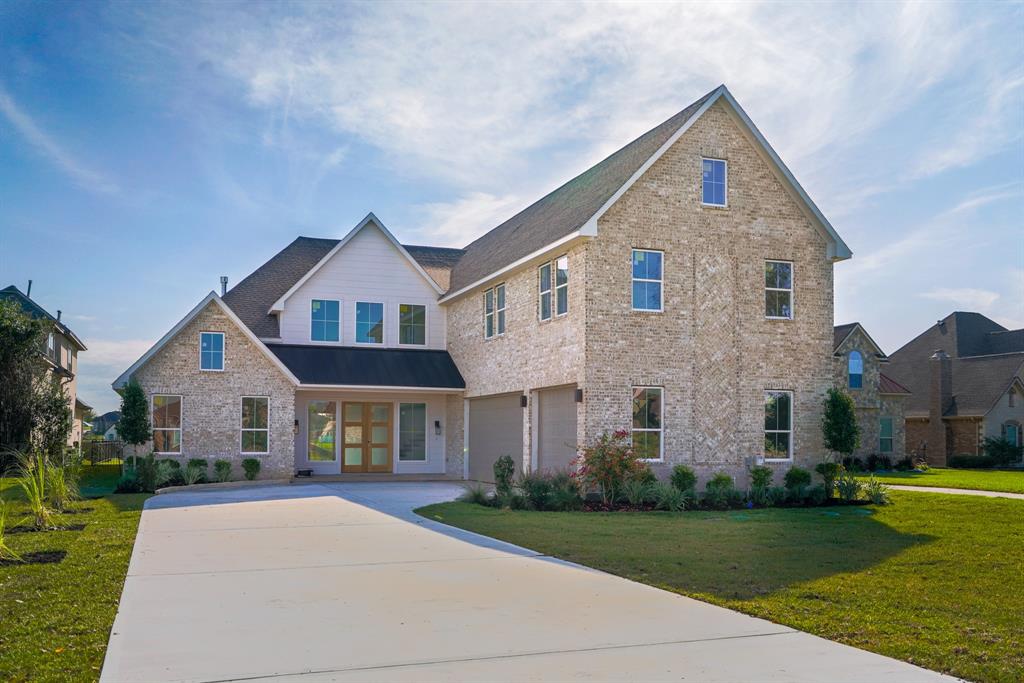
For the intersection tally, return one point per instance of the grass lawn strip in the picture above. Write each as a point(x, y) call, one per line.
point(932, 579)
point(979, 480)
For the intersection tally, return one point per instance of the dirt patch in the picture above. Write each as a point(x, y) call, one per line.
point(25, 529)
point(38, 557)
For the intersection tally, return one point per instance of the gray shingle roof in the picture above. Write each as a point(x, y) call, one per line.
point(12, 293)
point(840, 333)
point(564, 210)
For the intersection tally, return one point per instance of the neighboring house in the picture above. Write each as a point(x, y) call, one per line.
point(80, 426)
point(966, 373)
point(60, 351)
point(102, 423)
point(680, 289)
point(879, 399)
point(111, 433)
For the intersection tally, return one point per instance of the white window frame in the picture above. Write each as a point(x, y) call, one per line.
point(242, 430)
point(660, 430)
point(555, 286)
point(426, 325)
point(499, 330)
point(725, 190)
point(179, 429)
point(661, 281)
point(341, 316)
point(426, 434)
point(383, 323)
point(50, 352)
point(791, 290)
point(892, 431)
point(550, 292)
point(850, 374)
point(223, 351)
point(792, 413)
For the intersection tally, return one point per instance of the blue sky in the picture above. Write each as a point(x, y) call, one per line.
point(147, 148)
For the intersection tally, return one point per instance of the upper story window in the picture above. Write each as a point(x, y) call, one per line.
point(545, 291)
point(50, 346)
point(325, 320)
point(855, 370)
point(255, 427)
point(412, 324)
point(647, 424)
point(166, 423)
point(778, 425)
point(494, 311)
point(885, 438)
point(714, 181)
point(369, 322)
point(561, 285)
point(647, 280)
point(778, 290)
point(1012, 398)
point(211, 351)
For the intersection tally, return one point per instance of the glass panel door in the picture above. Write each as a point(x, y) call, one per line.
point(321, 432)
point(367, 429)
point(354, 440)
point(379, 428)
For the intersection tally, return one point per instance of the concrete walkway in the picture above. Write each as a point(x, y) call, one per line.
point(343, 582)
point(958, 492)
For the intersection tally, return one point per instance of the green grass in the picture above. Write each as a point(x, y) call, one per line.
point(984, 480)
point(932, 579)
point(56, 618)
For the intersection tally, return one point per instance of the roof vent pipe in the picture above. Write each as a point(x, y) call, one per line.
point(29, 292)
point(223, 285)
point(58, 315)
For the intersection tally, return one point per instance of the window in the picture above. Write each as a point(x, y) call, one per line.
point(855, 370)
point(562, 285)
point(255, 424)
point(412, 432)
point(885, 438)
point(49, 346)
point(714, 180)
point(211, 350)
point(166, 423)
point(647, 279)
point(412, 324)
point(1012, 399)
point(647, 427)
point(494, 311)
point(1011, 432)
point(545, 291)
point(778, 425)
point(369, 323)
point(325, 320)
point(778, 289)
point(321, 428)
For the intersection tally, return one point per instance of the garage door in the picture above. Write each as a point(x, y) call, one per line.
point(556, 428)
point(495, 429)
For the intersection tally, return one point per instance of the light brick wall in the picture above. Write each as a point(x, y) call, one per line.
point(211, 401)
point(454, 435)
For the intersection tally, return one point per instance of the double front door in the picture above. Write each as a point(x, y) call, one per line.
point(366, 437)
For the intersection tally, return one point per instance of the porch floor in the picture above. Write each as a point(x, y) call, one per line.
point(371, 477)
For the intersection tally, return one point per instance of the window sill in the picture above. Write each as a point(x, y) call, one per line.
point(718, 207)
point(211, 370)
point(647, 310)
point(776, 317)
point(778, 459)
point(248, 453)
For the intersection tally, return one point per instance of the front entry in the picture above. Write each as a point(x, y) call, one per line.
point(367, 429)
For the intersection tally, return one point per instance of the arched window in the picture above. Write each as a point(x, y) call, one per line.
point(855, 367)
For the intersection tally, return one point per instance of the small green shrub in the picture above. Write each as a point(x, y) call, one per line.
point(128, 483)
point(645, 475)
point(565, 493)
point(515, 501)
point(972, 462)
point(876, 491)
point(877, 462)
point(6, 553)
point(761, 476)
point(175, 477)
point(62, 486)
point(192, 475)
point(478, 494)
point(535, 487)
point(251, 467)
point(778, 495)
point(32, 481)
point(222, 470)
point(904, 464)
point(817, 495)
point(829, 471)
point(607, 464)
point(853, 464)
point(152, 473)
point(1002, 451)
point(504, 470)
point(720, 492)
point(637, 492)
point(200, 463)
point(797, 477)
point(683, 478)
point(668, 497)
point(848, 486)
point(921, 465)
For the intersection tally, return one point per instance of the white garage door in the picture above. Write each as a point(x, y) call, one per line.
point(495, 429)
point(556, 428)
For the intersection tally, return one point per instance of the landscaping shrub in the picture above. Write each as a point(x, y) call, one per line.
point(760, 484)
point(777, 495)
point(6, 554)
point(645, 475)
point(668, 497)
point(828, 471)
point(565, 493)
point(132, 462)
point(848, 486)
point(972, 462)
point(151, 473)
point(878, 462)
point(61, 486)
point(608, 464)
point(128, 483)
point(921, 465)
point(638, 492)
point(683, 479)
point(222, 470)
point(852, 464)
point(797, 477)
point(720, 492)
point(904, 465)
point(477, 493)
point(535, 487)
point(174, 473)
point(192, 475)
point(201, 465)
point(876, 491)
point(251, 467)
point(32, 481)
point(515, 501)
point(1002, 451)
point(817, 495)
point(504, 470)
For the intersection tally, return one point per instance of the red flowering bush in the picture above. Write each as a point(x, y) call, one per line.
point(607, 465)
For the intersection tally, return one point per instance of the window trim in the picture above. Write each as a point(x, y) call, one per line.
point(383, 324)
point(633, 279)
point(223, 351)
point(555, 286)
point(426, 434)
point(1017, 426)
point(725, 192)
point(341, 317)
point(242, 430)
point(791, 290)
point(180, 429)
point(493, 291)
point(891, 437)
point(426, 325)
point(790, 431)
point(550, 292)
point(661, 430)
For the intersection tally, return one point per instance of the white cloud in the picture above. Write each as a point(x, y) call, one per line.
point(966, 298)
point(64, 160)
point(111, 354)
point(457, 223)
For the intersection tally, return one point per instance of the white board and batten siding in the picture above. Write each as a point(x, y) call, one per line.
point(368, 268)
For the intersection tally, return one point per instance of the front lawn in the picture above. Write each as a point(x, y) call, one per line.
point(932, 579)
point(55, 618)
point(985, 480)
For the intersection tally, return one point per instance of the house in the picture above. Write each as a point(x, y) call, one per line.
point(102, 423)
point(681, 289)
point(79, 425)
point(966, 375)
point(878, 399)
point(60, 353)
point(110, 434)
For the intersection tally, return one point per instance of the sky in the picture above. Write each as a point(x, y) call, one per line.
point(148, 148)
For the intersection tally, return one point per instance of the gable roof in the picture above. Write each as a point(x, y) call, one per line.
point(962, 334)
point(573, 209)
point(840, 333)
point(887, 385)
point(209, 298)
point(12, 293)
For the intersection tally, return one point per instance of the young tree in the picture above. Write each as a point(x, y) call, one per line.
point(839, 423)
point(21, 340)
point(134, 427)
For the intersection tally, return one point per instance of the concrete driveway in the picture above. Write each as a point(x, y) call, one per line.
point(342, 582)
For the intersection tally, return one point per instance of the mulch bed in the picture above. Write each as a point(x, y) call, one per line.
point(593, 506)
point(26, 529)
point(39, 557)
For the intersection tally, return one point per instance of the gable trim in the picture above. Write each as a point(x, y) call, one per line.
point(174, 331)
point(278, 305)
point(1015, 381)
point(858, 326)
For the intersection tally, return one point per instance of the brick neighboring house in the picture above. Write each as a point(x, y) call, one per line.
point(680, 288)
point(966, 373)
point(60, 353)
point(879, 399)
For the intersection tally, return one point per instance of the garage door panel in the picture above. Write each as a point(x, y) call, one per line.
point(556, 428)
point(495, 429)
